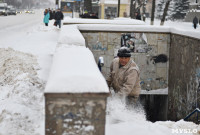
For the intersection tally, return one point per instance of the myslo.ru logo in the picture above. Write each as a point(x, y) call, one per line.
point(184, 131)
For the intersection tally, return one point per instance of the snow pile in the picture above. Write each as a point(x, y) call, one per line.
point(74, 70)
point(123, 120)
point(21, 94)
point(71, 35)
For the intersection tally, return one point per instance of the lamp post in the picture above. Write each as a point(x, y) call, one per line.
point(118, 13)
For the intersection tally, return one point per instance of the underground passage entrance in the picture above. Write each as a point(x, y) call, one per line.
point(155, 106)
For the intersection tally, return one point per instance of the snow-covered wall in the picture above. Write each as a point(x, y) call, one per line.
point(74, 69)
point(76, 92)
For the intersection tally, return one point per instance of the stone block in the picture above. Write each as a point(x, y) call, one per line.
point(110, 50)
point(93, 38)
point(114, 38)
point(152, 38)
point(161, 72)
point(162, 48)
point(74, 113)
point(103, 37)
point(163, 37)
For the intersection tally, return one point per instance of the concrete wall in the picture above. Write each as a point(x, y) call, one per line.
point(148, 47)
point(75, 114)
point(184, 76)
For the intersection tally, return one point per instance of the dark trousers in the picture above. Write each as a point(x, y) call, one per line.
point(58, 22)
point(46, 24)
point(195, 25)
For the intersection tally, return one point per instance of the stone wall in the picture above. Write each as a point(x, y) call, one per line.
point(184, 76)
point(148, 54)
point(75, 114)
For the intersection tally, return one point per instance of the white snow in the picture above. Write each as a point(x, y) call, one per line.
point(155, 92)
point(25, 68)
point(71, 35)
point(74, 70)
point(118, 21)
point(134, 25)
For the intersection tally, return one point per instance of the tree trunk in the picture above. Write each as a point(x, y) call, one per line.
point(139, 6)
point(118, 13)
point(131, 8)
point(153, 11)
point(165, 12)
point(88, 5)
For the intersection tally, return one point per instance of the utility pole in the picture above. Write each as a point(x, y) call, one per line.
point(118, 13)
point(153, 11)
point(144, 10)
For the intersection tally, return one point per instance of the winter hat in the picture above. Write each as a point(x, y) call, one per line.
point(124, 52)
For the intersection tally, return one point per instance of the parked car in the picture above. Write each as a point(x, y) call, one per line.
point(11, 10)
point(3, 9)
point(19, 12)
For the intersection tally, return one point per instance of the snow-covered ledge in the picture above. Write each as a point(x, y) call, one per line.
point(126, 25)
point(74, 70)
point(138, 28)
point(76, 91)
point(116, 21)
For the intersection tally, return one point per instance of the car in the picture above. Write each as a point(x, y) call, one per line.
point(19, 12)
point(29, 11)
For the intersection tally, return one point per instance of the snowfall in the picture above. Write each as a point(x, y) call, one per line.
point(29, 59)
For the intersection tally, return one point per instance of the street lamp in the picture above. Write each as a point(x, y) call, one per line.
point(118, 13)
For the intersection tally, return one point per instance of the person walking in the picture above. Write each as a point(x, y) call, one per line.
point(58, 17)
point(46, 17)
point(124, 76)
point(195, 22)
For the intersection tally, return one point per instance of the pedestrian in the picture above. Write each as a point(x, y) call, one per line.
point(124, 76)
point(137, 16)
point(51, 14)
point(46, 17)
point(195, 22)
point(58, 17)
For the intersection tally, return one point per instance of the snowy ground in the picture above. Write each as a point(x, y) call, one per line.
point(26, 51)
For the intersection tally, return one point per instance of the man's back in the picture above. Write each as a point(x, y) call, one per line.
point(195, 20)
point(58, 15)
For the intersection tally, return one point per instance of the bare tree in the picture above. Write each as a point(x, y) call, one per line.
point(165, 12)
point(153, 11)
point(132, 8)
point(88, 5)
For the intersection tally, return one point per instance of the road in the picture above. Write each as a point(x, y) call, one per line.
point(22, 21)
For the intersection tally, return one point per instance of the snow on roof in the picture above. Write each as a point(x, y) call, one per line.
point(71, 35)
point(74, 70)
point(124, 21)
